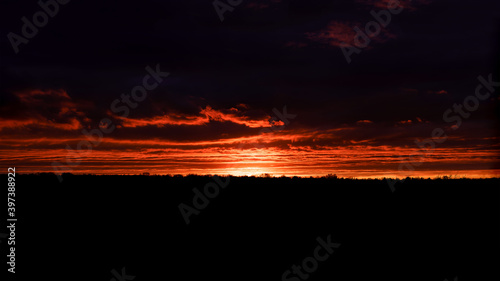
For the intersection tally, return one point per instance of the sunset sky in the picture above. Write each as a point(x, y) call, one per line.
point(215, 113)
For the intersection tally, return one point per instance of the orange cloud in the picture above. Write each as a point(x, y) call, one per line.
point(338, 33)
point(206, 115)
point(71, 124)
point(360, 122)
point(334, 34)
point(404, 122)
point(34, 96)
point(357, 160)
point(43, 109)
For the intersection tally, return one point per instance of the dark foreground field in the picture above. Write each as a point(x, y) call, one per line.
point(254, 229)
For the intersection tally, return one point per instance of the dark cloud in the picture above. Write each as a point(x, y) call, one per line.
point(228, 76)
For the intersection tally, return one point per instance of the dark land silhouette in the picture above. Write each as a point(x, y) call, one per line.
point(255, 228)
